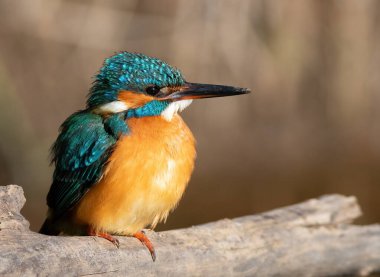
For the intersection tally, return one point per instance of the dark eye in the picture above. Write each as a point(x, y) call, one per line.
point(152, 90)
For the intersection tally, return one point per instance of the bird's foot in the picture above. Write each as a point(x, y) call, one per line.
point(92, 232)
point(145, 241)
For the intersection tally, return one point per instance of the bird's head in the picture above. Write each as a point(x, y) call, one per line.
point(146, 86)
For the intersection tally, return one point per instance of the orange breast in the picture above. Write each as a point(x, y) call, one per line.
point(144, 179)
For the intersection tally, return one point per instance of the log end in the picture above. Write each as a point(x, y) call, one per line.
point(12, 200)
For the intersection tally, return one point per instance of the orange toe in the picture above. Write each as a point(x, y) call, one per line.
point(92, 232)
point(145, 240)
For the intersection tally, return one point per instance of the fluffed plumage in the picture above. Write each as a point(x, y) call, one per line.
point(123, 163)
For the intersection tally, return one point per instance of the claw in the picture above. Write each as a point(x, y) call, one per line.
point(139, 235)
point(145, 241)
point(92, 232)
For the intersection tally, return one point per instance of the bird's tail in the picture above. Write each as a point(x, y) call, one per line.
point(49, 228)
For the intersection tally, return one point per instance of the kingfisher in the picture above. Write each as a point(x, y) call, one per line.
point(122, 164)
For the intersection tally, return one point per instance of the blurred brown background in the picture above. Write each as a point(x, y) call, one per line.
point(311, 127)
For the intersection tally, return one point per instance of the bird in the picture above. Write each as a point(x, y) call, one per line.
point(123, 162)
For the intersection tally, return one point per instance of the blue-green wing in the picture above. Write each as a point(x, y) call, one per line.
point(80, 154)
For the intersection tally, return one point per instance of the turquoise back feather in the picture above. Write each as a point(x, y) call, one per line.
point(80, 153)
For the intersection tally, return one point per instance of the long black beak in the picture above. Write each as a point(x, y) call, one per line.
point(198, 91)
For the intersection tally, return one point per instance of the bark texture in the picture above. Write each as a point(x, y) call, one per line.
point(313, 238)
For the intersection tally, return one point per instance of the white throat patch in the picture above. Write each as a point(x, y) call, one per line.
point(175, 107)
point(113, 107)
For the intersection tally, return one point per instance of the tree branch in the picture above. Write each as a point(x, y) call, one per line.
point(313, 238)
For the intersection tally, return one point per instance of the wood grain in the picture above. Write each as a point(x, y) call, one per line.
point(313, 238)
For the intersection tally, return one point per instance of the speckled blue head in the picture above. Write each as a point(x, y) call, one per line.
point(131, 72)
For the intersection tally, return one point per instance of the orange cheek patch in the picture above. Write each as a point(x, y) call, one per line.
point(134, 99)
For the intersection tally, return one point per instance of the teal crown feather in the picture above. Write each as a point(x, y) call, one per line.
point(133, 72)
